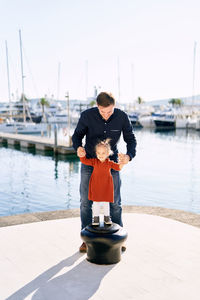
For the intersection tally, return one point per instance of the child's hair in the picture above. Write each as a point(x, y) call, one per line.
point(106, 144)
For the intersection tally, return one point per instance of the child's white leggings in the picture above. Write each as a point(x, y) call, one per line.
point(96, 208)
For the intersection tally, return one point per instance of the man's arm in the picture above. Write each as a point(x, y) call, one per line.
point(79, 132)
point(129, 139)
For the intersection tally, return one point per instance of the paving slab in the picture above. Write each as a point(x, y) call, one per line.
point(40, 261)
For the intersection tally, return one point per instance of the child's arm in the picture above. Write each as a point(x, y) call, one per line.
point(115, 166)
point(87, 161)
point(121, 166)
point(122, 162)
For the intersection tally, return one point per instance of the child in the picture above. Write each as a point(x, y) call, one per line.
point(101, 189)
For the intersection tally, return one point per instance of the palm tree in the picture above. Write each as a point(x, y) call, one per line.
point(23, 98)
point(176, 102)
point(44, 102)
point(140, 100)
point(92, 103)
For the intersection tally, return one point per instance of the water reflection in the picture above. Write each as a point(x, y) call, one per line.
point(72, 161)
point(47, 153)
point(181, 133)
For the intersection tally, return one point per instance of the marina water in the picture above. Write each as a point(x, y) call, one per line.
point(165, 173)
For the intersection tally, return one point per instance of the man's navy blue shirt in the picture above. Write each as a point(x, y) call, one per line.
point(94, 128)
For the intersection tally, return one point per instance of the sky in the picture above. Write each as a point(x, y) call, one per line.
point(131, 48)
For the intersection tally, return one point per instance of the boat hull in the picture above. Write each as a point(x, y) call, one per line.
point(164, 124)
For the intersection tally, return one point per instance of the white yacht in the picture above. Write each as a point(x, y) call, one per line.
point(165, 121)
point(22, 127)
point(181, 122)
point(198, 124)
point(192, 122)
point(59, 117)
point(147, 121)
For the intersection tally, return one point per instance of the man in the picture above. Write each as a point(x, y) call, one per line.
point(95, 124)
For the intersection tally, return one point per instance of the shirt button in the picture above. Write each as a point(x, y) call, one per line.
point(104, 131)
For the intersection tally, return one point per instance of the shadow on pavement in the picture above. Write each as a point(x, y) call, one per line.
point(80, 282)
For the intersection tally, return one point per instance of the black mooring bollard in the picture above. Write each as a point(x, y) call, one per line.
point(104, 243)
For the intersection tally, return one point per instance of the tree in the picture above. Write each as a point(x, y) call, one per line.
point(92, 103)
point(24, 101)
point(176, 102)
point(140, 100)
point(23, 98)
point(44, 102)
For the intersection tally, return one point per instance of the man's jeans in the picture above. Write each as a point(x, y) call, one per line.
point(86, 205)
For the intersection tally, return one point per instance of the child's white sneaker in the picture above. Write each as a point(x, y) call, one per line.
point(107, 220)
point(95, 221)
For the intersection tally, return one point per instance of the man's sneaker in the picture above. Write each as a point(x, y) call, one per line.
point(95, 221)
point(107, 220)
point(83, 248)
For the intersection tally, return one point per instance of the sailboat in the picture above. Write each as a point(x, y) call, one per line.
point(12, 126)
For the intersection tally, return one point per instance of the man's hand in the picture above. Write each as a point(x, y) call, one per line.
point(81, 152)
point(123, 158)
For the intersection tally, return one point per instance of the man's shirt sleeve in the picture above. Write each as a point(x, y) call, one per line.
point(80, 132)
point(129, 137)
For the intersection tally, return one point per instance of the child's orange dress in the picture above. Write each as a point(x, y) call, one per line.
point(101, 182)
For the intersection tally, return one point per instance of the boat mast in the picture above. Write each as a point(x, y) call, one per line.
point(68, 116)
point(86, 79)
point(58, 83)
point(193, 79)
point(22, 73)
point(8, 76)
point(132, 85)
point(118, 79)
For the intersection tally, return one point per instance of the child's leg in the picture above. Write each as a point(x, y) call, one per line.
point(96, 212)
point(96, 208)
point(106, 209)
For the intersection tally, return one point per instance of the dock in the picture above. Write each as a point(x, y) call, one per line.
point(37, 142)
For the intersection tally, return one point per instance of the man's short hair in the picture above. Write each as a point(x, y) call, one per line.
point(105, 99)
